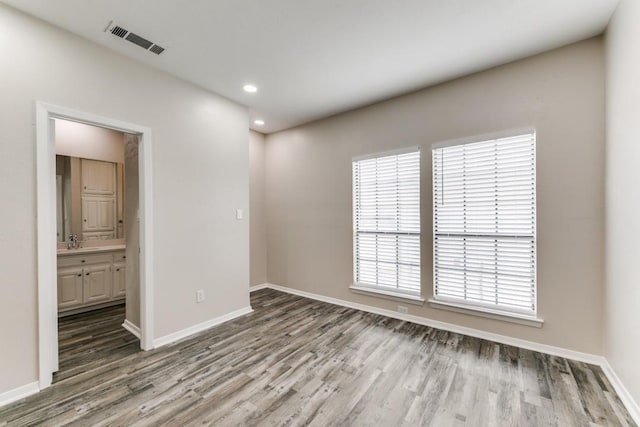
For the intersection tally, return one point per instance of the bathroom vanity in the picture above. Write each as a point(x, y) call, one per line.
point(90, 278)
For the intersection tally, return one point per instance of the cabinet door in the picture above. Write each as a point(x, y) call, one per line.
point(97, 283)
point(98, 177)
point(69, 287)
point(98, 213)
point(119, 280)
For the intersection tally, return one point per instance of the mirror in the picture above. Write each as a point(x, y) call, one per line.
point(90, 199)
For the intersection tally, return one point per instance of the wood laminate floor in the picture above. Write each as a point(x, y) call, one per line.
point(295, 361)
point(91, 339)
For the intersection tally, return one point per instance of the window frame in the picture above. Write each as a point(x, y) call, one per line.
point(529, 318)
point(384, 292)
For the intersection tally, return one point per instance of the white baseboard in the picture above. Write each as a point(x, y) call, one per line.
point(159, 342)
point(601, 361)
point(258, 287)
point(624, 395)
point(19, 393)
point(489, 336)
point(135, 331)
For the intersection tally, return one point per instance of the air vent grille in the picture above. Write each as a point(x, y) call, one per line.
point(118, 31)
point(134, 38)
point(140, 41)
point(157, 49)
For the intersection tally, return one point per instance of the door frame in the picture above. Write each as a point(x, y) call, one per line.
point(46, 229)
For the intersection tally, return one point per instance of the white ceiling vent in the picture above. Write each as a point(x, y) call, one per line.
point(125, 34)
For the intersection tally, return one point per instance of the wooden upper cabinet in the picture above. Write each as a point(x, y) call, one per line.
point(98, 196)
point(98, 213)
point(98, 178)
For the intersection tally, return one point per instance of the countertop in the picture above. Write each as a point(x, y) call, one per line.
point(90, 250)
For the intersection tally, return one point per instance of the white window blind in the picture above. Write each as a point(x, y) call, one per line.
point(386, 209)
point(484, 224)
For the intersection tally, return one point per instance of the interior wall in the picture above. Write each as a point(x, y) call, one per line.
point(560, 93)
point(88, 142)
point(622, 296)
point(200, 170)
point(258, 229)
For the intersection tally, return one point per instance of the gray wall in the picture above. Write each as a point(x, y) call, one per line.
point(200, 171)
point(258, 230)
point(560, 93)
point(622, 298)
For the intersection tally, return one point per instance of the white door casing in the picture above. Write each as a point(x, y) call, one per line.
point(47, 228)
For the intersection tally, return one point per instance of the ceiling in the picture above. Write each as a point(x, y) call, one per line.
point(314, 58)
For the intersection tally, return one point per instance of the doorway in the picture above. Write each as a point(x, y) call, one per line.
point(97, 262)
point(47, 197)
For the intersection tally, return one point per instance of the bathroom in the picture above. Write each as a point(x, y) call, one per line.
point(97, 242)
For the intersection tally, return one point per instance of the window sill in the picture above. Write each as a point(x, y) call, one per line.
point(521, 319)
point(395, 296)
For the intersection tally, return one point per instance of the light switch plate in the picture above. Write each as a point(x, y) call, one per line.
point(238, 213)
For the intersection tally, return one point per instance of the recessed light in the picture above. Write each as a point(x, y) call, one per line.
point(250, 88)
point(258, 122)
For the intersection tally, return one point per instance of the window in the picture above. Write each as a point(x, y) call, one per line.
point(386, 222)
point(484, 224)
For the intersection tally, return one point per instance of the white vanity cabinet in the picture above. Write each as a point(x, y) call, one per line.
point(87, 280)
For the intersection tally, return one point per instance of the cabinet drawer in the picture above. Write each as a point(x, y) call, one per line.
point(82, 260)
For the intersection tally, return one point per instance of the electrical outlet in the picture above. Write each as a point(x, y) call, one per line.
point(403, 309)
point(200, 295)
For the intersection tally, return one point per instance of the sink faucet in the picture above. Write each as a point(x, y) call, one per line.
point(73, 242)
